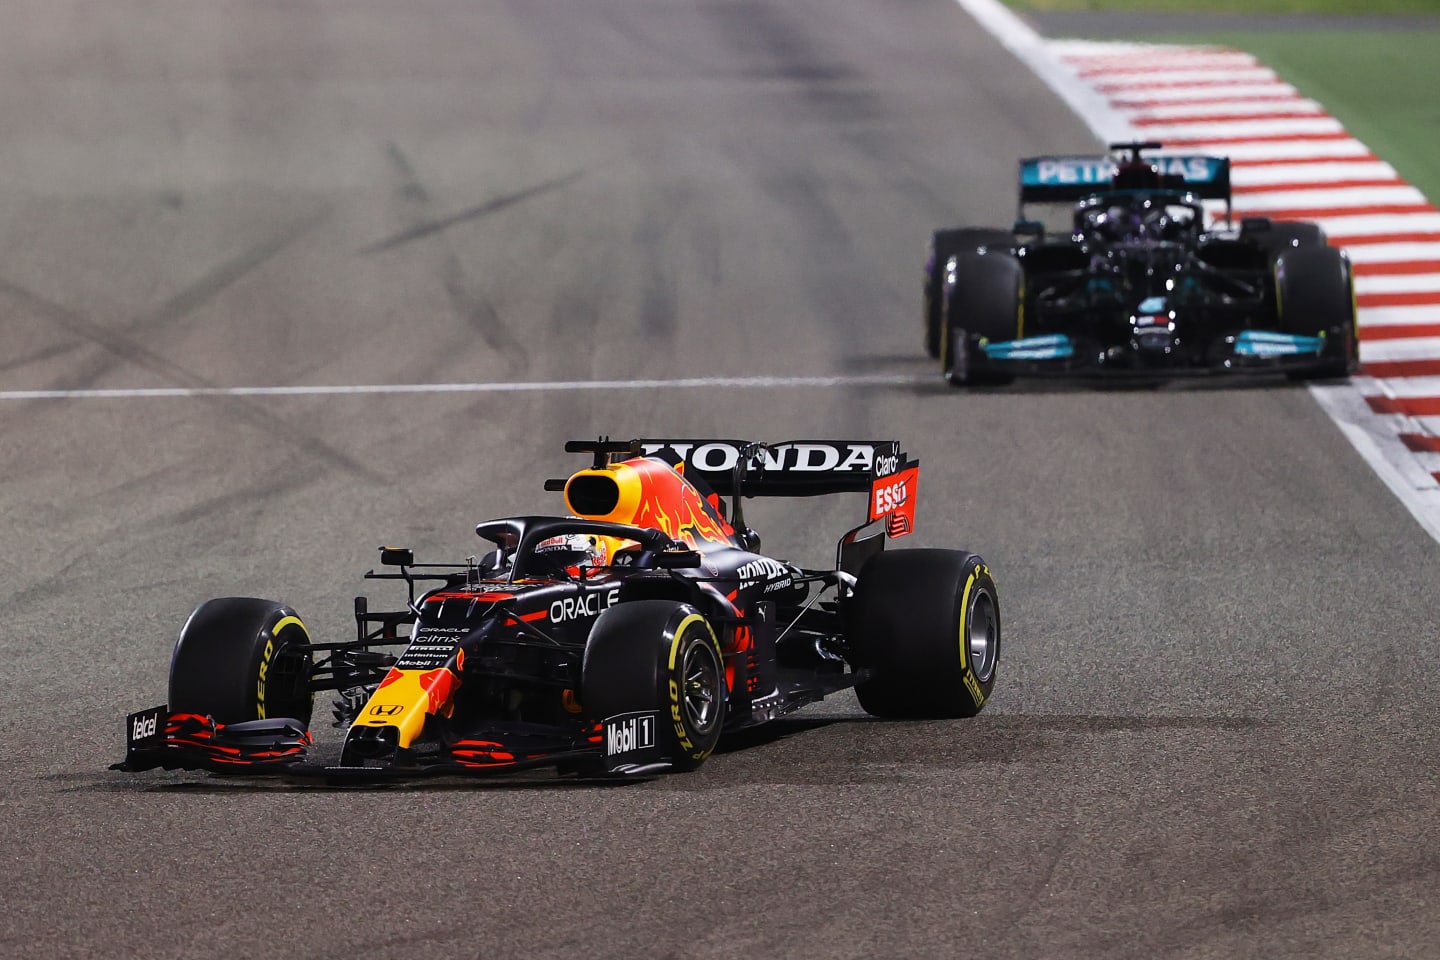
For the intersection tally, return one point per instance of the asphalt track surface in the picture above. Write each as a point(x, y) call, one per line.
point(1214, 734)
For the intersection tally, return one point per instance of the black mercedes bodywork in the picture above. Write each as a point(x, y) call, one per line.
point(1147, 278)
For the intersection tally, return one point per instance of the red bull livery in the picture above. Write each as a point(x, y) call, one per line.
point(623, 638)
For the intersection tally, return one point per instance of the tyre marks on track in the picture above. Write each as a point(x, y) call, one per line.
point(470, 306)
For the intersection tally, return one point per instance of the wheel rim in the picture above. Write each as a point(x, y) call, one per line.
point(701, 691)
point(984, 633)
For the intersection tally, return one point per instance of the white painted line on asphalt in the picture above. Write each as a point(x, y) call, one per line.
point(1204, 109)
point(1401, 283)
point(1378, 224)
point(690, 383)
point(1119, 50)
point(1027, 46)
point(1413, 348)
point(1259, 175)
point(1156, 96)
point(1397, 316)
point(1185, 78)
point(1265, 151)
point(1154, 56)
point(1376, 439)
point(1335, 197)
point(1408, 387)
point(1393, 252)
point(1243, 128)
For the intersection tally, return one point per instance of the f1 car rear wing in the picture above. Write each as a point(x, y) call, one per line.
point(1068, 179)
point(794, 468)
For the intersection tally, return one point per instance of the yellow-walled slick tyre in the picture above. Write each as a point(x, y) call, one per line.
point(239, 659)
point(926, 624)
point(654, 675)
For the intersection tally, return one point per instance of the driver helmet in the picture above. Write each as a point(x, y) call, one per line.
point(574, 550)
point(1137, 175)
point(1117, 222)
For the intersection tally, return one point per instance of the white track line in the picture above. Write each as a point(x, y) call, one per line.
point(1394, 252)
point(1286, 150)
point(1317, 195)
point(1398, 316)
point(1151, 98)
point(1412, 348)
point(691, 383)
point(1379, 224)
point(1408, 387)
point(1235, 109)
point(1262, 175)
point(1243, 128)
point(1398, 283)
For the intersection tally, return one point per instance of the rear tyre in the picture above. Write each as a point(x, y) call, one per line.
point(239, 659)
point(926, 623)
point(660, 656)
point(1283, 236)
point(1315, 296)
point(982, 304)
point(944, 245)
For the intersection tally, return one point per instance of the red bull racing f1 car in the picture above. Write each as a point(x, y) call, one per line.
point(1136, 283)
point(622, 639)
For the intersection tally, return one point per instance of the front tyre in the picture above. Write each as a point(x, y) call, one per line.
point(658, 657)
point(239, 659)
point(983, 304)
point(926, 624)
point(945, 244)
point(1315, 296)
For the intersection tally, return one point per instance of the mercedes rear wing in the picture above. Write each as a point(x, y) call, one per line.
point(1064, 179)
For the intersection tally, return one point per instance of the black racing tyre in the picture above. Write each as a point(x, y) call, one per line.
point(1285, 235)
point(926, 624)
point(984, 302)
point(944, 245)
point(663, 656)
point(1315, 296)
point(239, 659)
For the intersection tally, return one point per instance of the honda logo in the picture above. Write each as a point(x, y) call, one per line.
point(385, 710)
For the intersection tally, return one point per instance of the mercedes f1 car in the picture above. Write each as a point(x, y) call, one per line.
point(622, 639)
point(1136, 283)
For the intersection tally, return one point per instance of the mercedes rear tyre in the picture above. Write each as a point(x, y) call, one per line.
point(239, 659)
point(944, 245)
point(925, 624)
point(982, 304)
point(656, 659)
point(1315, 297)
point(1282, 236)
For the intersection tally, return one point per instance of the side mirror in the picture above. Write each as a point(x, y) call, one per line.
point(397, 556)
